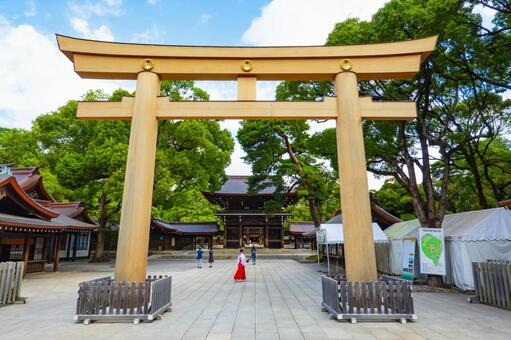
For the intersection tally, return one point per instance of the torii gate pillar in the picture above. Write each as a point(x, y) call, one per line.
point(356, 213)
point(133, 243)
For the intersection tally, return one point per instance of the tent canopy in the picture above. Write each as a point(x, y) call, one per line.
point(335, 233)
point(479, 225)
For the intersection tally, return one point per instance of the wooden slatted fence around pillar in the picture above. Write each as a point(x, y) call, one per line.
point(108, 300)
point(492, 283)
point(386, 299)
point(11, 275)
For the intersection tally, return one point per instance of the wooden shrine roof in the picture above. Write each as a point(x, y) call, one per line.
point(238, 186)
point(185, 228)
point(301, 228)
point(20, 212)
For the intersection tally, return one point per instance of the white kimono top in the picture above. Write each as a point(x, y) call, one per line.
point(243, 259)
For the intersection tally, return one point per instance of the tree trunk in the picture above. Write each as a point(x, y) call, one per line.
point(314, 212)
point(99, 255)
point(470, 157)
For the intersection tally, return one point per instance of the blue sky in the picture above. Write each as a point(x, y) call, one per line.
point(39, 78)
point(189, 22)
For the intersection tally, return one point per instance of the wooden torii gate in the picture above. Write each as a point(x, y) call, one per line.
point(149, 64)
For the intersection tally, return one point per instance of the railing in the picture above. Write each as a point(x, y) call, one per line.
point(387, 299)
point(11, 275)
point(107, 300)
point(161, 292)
point(492, 283)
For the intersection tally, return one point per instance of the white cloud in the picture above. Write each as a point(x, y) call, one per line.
point(152, 2)
point(82, 26)
point(31, 9)
point(39, 78)
point(87, 8)
point(152, 35)
point(304, 22)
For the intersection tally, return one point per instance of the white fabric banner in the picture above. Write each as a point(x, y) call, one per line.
point(432, 251)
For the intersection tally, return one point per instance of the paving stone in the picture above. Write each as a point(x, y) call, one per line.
point(280, 300)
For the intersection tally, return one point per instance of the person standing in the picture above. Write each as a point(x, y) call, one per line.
point(242, 262)
point(199, 257)
point(253, 254)
point(211, 257)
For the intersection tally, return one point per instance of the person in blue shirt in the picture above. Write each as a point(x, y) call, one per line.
point(199, 257)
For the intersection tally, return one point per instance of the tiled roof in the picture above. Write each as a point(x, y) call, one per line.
point(301, 228)
point(186, 228)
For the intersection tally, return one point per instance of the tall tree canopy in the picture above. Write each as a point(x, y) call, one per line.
point(458, 94)
point(85, 160)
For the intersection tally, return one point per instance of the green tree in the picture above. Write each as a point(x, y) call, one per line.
point(85, 160)
point(470, 65)
point(280, 156)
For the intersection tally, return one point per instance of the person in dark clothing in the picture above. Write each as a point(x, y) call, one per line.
point(211, 257)
point(253, 254)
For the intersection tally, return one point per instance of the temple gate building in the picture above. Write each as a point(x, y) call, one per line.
point(244, 217)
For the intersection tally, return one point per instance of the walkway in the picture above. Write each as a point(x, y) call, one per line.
point(279, 301)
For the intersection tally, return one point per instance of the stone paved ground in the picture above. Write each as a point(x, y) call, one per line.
point(280, 300)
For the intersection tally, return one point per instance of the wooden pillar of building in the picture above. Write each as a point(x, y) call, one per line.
point(356, 211)
point(56, 252)
point(132, 247)
point(225, 234)
point(69, 236)
point(26, 252)
point(75, 245)
point(266, 232)
point(240, 230)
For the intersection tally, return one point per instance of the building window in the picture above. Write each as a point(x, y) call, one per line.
point(63, 242)
point(82, 242)
point(38, 248)
point(16, 252)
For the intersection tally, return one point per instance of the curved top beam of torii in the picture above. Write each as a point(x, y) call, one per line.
point(109, 60)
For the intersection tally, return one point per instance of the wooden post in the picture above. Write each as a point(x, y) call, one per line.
point(356, 211)
point(240, 230)
point(225, 234)
point(56, 252)
point(75, 244)
point(247, 88)
point(26, 252)
point(132, 247)
point(266, 232)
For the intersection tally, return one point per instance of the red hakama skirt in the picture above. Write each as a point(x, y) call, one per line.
point(240, 273)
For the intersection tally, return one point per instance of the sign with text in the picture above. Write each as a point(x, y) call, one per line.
point(432, 251)
point(321, 236)
point(408, 258)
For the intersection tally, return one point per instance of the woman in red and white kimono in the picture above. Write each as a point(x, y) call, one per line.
point(242, 262)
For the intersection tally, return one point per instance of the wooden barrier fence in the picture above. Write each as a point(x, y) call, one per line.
point(106, 300)
point(492, 283)
point(11, 275)
point(387, 299)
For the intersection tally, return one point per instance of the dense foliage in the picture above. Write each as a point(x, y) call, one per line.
point(84, 160)
point(455, 155)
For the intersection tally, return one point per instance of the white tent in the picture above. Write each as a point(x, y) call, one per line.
point(335, 233)
point(471, 236)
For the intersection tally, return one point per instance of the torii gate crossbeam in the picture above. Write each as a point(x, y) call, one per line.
point(149, 64)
